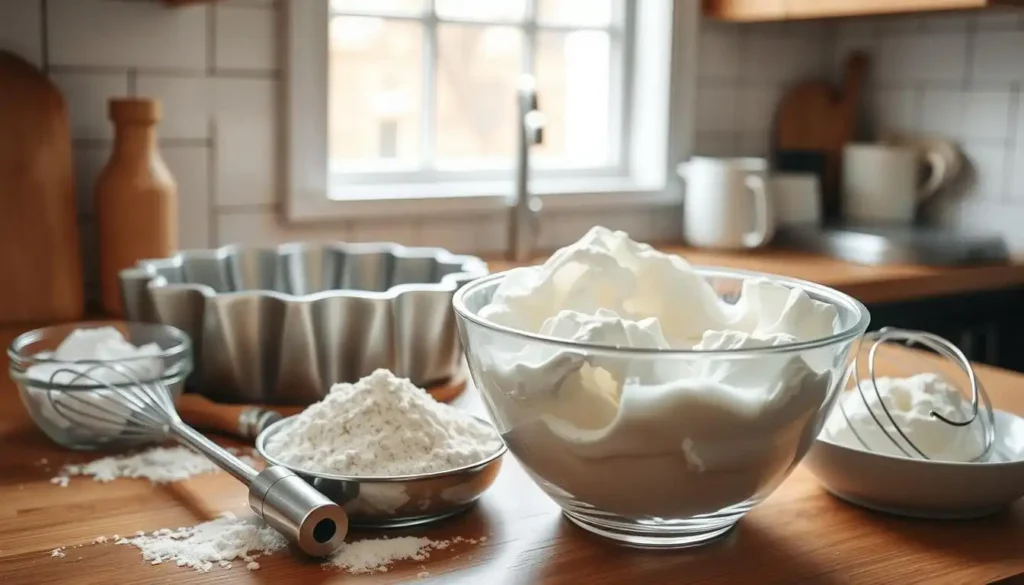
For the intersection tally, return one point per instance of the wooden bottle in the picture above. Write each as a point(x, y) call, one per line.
point(136, 198)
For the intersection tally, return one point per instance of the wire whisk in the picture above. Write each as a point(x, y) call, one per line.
point(981, 407)
point(116, 400)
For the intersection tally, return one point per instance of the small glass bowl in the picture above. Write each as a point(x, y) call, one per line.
point(679, 466)
point(32, 370)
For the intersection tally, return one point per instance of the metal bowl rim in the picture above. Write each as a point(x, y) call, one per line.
point(276, 427)
point(470, 268)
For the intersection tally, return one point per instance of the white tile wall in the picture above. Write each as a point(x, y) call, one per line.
point(958, 76)
point(217, 70)
point(743, 72)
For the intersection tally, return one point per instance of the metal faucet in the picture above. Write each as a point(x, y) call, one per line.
point(524, 212)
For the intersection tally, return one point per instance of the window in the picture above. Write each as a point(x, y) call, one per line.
point(391, 102)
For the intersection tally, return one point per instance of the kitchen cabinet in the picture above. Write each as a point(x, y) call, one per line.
point(987, 326)
point(767, 10)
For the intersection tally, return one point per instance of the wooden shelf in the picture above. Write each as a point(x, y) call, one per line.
point(772, 10)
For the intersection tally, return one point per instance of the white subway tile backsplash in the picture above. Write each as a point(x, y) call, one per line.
point(782, 59)
point(246, 141)
point(89, 161)
point(987, 115)
point(268, 228)
point(946, 22)
point(490, 234)
point(400, 231)
point(716, 143)
point(997, 56)
point(448, 234)
point(21, 28)
point(899, 24)
point(716, 109)
point(942, 112)
point(989, 165)
point(87, 95)
point(102, 33)
point(190, 167)
point(246, 38)
point(186, 104)
point(915, 57)
point(989, 217)
point(997, 19)
point(757, 107)
point(560, 229)
point(1015, 180)
point(719, 52)
point(666, 224)
point(753, 144)
point(896, 110)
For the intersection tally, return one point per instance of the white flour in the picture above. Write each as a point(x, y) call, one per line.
point(217, 542)
point(64, 367)
point(377, 555)
point(158, 465)
point(382, 426)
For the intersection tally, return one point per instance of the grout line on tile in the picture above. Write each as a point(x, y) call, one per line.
point(44, 35)
point(111, 70)
point(269, 74)
point(211, 39)
point(1012, 144)
point(972, 35)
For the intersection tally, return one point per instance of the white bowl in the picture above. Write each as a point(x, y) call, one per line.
point(921, 488)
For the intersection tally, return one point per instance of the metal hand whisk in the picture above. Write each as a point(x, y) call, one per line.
point(981, 406)
point(114, 400)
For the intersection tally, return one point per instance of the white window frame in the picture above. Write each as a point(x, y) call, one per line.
point(659, 116)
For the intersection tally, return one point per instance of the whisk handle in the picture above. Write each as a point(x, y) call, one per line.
point(220, 456)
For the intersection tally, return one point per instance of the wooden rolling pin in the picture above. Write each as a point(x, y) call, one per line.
point(246, 421)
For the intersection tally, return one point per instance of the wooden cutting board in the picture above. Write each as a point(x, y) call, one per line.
point(40, 263)
point(816, 117)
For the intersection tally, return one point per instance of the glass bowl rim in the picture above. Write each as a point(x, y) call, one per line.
point(180, 350)
point(835, 297)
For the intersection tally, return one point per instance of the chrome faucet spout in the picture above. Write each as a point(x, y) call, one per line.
point(524, 212)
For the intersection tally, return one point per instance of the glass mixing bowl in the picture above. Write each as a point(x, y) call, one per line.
point(49, 391)
point(672, 463)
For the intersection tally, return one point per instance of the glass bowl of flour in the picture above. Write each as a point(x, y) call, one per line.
point(47, 366)
point(655, 402)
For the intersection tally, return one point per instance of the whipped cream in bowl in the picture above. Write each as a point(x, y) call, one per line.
point(654, 401)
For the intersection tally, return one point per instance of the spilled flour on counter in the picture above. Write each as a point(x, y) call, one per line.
point(377, 555)
point(217, 542)
point(158, 465)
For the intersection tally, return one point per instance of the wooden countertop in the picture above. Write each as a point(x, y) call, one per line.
point(799, 535)
point(869, 284)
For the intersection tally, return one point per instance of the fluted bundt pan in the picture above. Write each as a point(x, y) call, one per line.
point(280, 325)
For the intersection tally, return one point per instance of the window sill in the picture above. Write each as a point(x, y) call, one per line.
point(475, 198)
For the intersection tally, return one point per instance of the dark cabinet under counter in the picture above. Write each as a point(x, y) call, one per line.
point(988, 326)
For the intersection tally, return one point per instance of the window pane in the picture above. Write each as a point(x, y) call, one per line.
point(378, 6)
point(477, 78)
point(376, 88)
point(481, 9)
point(573, 91)
point(576, 12)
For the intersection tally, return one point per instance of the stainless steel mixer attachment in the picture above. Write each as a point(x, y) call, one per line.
point(981, 406)
point(113, 400)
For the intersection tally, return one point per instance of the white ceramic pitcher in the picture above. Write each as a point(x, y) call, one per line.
point(727, 204)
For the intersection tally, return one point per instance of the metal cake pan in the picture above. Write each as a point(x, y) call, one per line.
point(281, 325)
